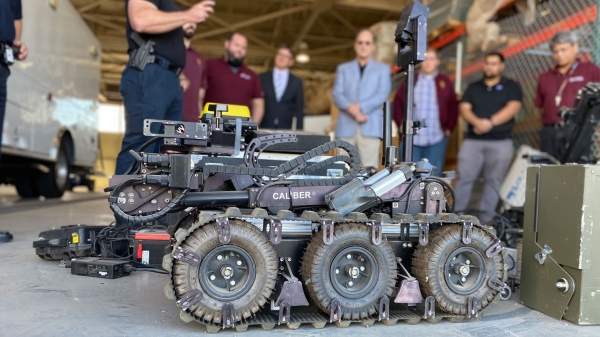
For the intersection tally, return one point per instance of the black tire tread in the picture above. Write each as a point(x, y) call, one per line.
point(426, 265)
point(247, 236)
point(313, 265)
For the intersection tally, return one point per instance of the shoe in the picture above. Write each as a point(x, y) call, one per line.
point(5, 237)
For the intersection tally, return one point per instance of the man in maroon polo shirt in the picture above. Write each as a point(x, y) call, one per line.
point(231, 82)
point(436, 104)
point(558, 87)
point(195, 71)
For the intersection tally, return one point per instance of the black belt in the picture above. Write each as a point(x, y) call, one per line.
point(557, 125)
point(167, 65)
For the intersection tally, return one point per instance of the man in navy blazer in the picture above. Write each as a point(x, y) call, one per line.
point(361, 87)
point(284, 95)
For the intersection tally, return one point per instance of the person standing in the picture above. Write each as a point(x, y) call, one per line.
point(284, 94)
point(195, 72)
point(11, 27)
point(558, 87)
point(231, 82)
point(360, 89)
point(436, 105)
point(153, 90)
point(489, 106)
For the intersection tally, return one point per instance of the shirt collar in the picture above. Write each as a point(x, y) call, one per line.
point(574, 67)
point(503, 80)
point(429, 76)
point(282, 72)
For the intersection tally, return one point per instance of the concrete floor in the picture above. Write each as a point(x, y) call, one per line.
point(40, 298)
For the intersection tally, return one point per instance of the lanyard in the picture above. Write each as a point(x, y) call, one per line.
point(558, 97)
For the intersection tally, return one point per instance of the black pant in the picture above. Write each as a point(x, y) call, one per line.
point(4, 72)
point(154, 93)
point(553, 140)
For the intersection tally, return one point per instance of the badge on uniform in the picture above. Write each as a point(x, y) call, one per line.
point(199, 61)
point(499, 87)
point(442, 85)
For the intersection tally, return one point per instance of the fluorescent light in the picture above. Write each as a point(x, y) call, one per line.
point(302, 58)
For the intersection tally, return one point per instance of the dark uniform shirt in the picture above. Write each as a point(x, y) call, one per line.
point(227, 87)
point(195, 71)
point(10, 10)
point(487, 101)
point(549, 85)
point(168, 45)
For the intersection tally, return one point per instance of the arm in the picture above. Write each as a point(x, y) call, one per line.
point(339, 95)
point(201, 95)
point(466, 111)
point(452, 109)
point(145, 17)
point(399, 106)
point(300, 107)
point(18, 29)
point(384, 87)
point(258, 109)
point(507, 113)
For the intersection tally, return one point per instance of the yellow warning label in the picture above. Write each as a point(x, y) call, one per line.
point(75, 237)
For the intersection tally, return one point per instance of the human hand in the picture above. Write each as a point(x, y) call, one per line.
point(361, 118)
point(184, 82)
point(483, 126)
point(353, 110)
point(201, 11)
point(448, 133)
point(23, 51)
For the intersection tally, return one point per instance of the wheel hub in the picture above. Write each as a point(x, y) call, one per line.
point(354, 272)
point(227, 273)
point(465, 270)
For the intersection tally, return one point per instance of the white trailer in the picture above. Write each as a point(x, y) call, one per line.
point(50, 139)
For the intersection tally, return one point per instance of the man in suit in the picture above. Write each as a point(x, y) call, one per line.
point(284, 95)
point(361, 87)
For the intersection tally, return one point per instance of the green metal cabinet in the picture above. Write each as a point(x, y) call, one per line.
point(561, 249)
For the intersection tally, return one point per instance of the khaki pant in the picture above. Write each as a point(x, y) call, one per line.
point(368, 148)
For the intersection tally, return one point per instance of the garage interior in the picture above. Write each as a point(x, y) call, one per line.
point(551, 272)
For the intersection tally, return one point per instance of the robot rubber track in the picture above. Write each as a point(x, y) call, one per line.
point(194, 308)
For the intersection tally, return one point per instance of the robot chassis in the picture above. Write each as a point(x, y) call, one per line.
point(240, 234)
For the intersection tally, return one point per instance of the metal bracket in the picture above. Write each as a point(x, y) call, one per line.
point(472, 305)
point(496, 284)
point(335, 311)
point(327, 228)
point(223, 230)
point(404, 232)
point(467, 232)
point(274, 229)
point(186, 256)
point(423, 234)
point(494, 249)
point(228, 315)
point(541, 256)
point(429, 307)
point(284, 312)
point(377, 233)
point(384, 308)
point(190, 299)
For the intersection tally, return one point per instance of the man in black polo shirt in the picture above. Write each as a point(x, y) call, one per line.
point(155, 91)
point(489, 106)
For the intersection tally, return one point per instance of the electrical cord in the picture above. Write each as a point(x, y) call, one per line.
point(142, 148)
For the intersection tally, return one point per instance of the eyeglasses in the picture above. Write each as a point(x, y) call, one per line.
point(366, 43)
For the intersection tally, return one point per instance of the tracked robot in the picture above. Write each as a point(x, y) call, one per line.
point(256, 245)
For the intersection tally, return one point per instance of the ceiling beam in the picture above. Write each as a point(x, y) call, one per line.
point(343, 21)
point(395, 6)
point(90, 6)
point(253, 21)
point(250, 37)
point(110, 25)
point(330, 49)
point(308, 24)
